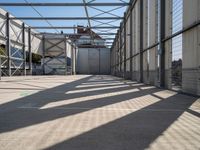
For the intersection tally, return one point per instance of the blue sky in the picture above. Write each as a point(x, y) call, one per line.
point(62, 12)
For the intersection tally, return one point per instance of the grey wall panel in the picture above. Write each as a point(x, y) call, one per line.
point(93, 61)
point(104, 61)
point(93, 55)
point(82, 61)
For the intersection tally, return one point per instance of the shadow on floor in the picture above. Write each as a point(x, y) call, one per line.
point(133, 131)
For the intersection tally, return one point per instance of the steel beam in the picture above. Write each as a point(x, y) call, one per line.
point(65, 18)
point(141, 40)
point(63, 4)
point(89, 22)
point(87, 14)
point(71, 34)
point(29, 51)
point(162, 44)
point(55, 45)
point(23, 48)
point(68, 27)
point(8, 46)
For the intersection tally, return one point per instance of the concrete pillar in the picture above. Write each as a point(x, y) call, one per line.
point(136, 50)
point(168, 44)
point(145, 39)
point(191, 48)
point(152, 40)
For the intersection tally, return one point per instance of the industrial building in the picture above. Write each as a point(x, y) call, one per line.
point(93, 57)
point(103, 75)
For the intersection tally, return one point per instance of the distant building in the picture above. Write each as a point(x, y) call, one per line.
point(86, 38)
point(93, 57)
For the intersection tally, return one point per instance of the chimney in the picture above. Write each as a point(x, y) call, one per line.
point(80, 29)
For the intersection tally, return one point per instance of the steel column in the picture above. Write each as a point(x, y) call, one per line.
point(125, 45)
point(118, 52)
point(43, 54)
point(131, 44)
point(72, 63)
point(0, 68)
point(29, 51)
point(73, 60)
point(162, 44)
point(8, 47)
point(23, 47)
point(65, 52)
point(120, 48)
point(141, 41)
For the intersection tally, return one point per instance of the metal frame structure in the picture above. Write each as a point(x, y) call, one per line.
point(90, 3)
point(8, 59)
point(106, 29)
point(161, 43)
point(61, 52)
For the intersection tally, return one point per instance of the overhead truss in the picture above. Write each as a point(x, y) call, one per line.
point(105, 25)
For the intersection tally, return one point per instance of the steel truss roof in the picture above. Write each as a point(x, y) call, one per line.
point(104, 24)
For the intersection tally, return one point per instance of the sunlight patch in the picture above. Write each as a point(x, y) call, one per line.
point(184, 133)
point(96, 89)
point(86, 98)
point(65, 126)
point(165, 93)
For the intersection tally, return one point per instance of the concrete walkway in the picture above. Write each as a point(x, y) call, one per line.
point(95, 113)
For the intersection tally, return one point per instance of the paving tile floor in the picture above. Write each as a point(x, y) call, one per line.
point(86, 112)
